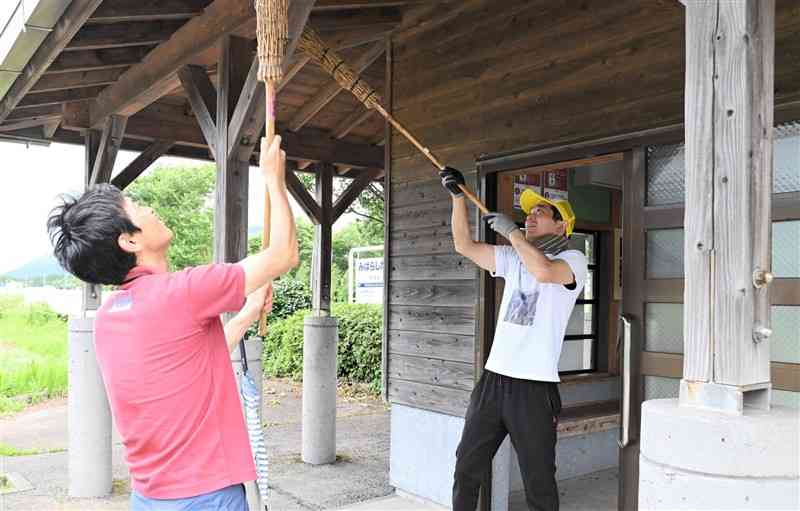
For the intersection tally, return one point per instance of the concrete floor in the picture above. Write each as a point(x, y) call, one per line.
point(592, 492)
point(360, 474)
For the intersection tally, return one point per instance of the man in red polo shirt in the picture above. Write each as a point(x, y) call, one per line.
point(162, 349)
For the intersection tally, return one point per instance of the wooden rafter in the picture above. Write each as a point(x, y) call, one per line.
point(304, 199)
point(373, 18)
point(352, 192)
point(147, 81)
point(49, 129)
point(338, 5)
point(110, 58)
point(333, 89)
point(147, 157)
point(30, 123)
point(359, 115)
point(59, 96)
point(110, 142)
point(135, 10)
point(71, 21)
point(118, 35)
point(203, 99)
point(61, 81)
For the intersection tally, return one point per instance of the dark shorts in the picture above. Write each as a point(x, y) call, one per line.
point(231, 498)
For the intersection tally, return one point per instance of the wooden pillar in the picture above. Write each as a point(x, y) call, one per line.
point(729, 119)
point(91, 143)
point(230, 213)
point(323, 238)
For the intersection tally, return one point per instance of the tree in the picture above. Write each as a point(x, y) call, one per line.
point(182, 198)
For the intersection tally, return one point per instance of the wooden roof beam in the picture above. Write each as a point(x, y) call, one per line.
point(359, 115)
point(29, 123)
point(61, 81)
point(110, 58)
point(339, 5)
point(71, 21)
point(59, 96)
point(313, 106)
point(375, 19)
point(150, 79)
point(203, 99)
point(120, 35)
point(136, 10)
point(147, 157)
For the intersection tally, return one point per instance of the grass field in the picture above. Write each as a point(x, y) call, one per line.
point(33, 354)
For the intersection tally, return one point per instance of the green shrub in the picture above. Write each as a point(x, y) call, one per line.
point(291, 295)
point(358, 350)
point(39, 314)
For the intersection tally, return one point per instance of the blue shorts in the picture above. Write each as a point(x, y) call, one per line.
point(231, 498)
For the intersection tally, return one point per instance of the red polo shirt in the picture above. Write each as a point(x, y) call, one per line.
point(167, 371)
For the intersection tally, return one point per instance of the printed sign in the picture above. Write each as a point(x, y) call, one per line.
point(556, 185)
point(521, 183)
point(369, 280)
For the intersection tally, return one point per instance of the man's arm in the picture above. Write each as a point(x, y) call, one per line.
point(258, 303)
point(555, 271)
point(282, 253)
point(479, 253)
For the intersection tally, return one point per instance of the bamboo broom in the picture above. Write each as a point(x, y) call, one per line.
point(313, 45)
point(273, 35)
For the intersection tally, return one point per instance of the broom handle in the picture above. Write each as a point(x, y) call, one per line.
point(270, 91)
point(427, 152)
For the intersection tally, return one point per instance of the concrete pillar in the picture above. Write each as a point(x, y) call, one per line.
point(254, 348)
point(693, 459)
point(321, 334)
point(89, 416)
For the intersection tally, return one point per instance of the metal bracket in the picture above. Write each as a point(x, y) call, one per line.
point(762, 278)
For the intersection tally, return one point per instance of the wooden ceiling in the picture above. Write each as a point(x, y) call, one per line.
point(115, 58)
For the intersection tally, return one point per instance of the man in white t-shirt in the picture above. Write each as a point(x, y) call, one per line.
point(517, 394)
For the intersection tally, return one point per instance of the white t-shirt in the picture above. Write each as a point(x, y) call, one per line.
point(533, 317)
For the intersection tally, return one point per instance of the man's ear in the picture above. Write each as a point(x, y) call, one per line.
point(562, 227)
point(128, 243)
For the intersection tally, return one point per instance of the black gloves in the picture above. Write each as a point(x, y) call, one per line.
point(451, 178)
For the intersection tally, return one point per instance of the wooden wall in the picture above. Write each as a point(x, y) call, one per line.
point(475, 77)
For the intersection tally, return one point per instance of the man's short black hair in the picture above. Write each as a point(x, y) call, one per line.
point(556, 213)
point(85, 233)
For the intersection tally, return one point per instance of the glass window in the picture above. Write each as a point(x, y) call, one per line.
point(577, 355)
point(786, 249)
point(786, 398)
point(665, 254)
point(786, 158)
point(665, 175)
point(664, 327)
point(785, 339)
point(659, 387)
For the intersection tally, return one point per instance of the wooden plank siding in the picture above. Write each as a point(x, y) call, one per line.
point(477, 77)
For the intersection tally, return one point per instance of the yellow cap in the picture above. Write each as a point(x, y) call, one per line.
point(530, 199)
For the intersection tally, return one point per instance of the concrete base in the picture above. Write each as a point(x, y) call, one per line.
point(254, 348)
point(696, 459)
point(423, 453)
point(320, 335)
point(89, 416)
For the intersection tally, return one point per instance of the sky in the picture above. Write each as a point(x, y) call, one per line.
point(32, 178)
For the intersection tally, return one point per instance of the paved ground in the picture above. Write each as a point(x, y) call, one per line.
point(361, 474)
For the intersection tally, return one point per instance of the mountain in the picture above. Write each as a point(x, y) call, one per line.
point(35, 268)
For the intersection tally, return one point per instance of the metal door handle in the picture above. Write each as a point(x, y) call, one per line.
point(625, 349)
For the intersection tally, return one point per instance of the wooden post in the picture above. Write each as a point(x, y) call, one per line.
point(230, 213)
point(91, 141)
point(323, 237)
point(729, 118)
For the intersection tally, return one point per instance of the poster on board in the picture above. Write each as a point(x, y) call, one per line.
point(556, 185)
point(522, 183)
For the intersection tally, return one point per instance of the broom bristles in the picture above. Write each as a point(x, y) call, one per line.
point(330, 61)
point(273, 35)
